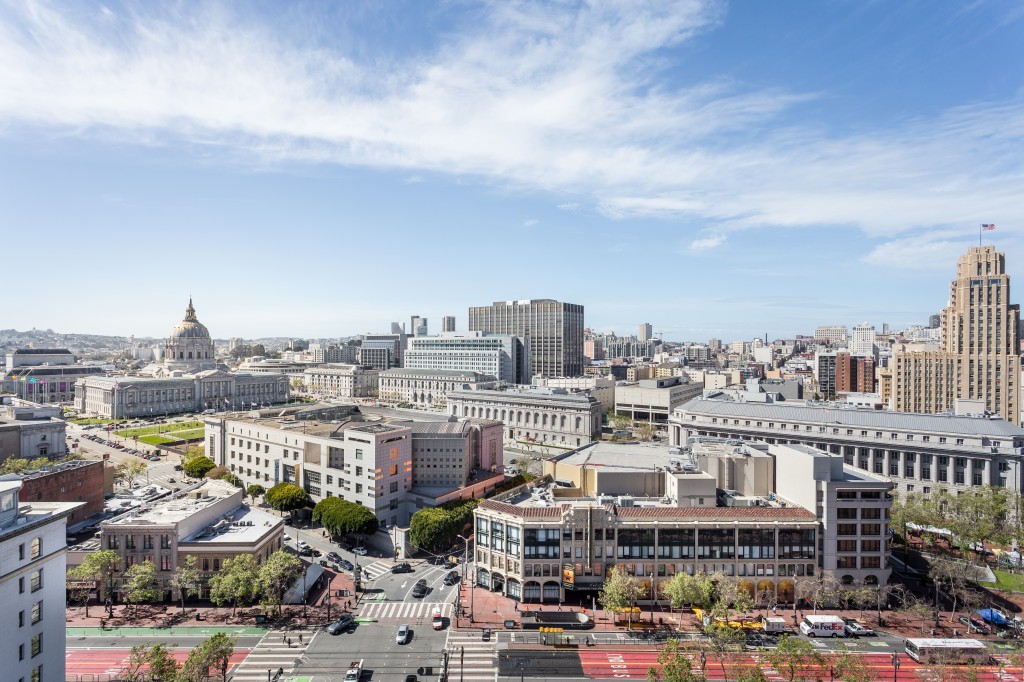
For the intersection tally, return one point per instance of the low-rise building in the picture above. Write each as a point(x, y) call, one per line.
point(602, 388)
point(210, 522)
point(550, 416)
point(32, 579)
point(919, 452)
point(44, 375)
point(341, 380)
point(81, 481)
point(430, 387)
point(29, 430)
point(653, 400)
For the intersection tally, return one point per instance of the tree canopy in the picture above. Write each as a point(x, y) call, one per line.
point(620, 590)
point(197, 467)
point(128, 472)
point(286, 497)
point(235, 583)
point(255, 490)
point(276, 575)
point(140, 583)
point(341, 517)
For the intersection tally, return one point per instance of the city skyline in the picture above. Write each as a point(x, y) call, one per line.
point(771, 168)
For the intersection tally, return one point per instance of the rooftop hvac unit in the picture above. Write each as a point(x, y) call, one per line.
point(605, 499)
point(625, 501)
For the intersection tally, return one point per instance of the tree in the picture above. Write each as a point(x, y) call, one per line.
point(796, 659)
point(908, 508)
point(955, 578)
point(197, 466)
point(98, 567)
point(974, 515)
point(286, 497)
point(236, 582)
point(128, 472)
point(215, 653)
point(232, 479)
point(819, 590)
point(186, 579)
point(194, 451)
point(683, 589)
point(646, 430)
point(17, 465)
point(673, 666)
point(620, 591)
point(847, 666)
point(140, 583)
point(217, 472)
point(724, 639)
point(150, 663)
point(255, 490)
point(435, 528)
point(276, 575)
point(341, 517)
point(619, 421)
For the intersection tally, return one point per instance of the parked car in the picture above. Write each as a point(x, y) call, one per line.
point(401, 568)
point(420, 589)
point(302, 544)
point(361, 551)
point(855, 629)
point(403, 634)
point(452, 578)
point(973, 624)
point(346, 564)
point(340, 625)
point(334, 556)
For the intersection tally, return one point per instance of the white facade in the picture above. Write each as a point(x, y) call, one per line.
point(341, 381)
point(429, 387)
point(504, 356)
point(548, 416)
point(32, 586)
point(654, 399)
point(602, 388)
point(835, 334)
point(862, 342)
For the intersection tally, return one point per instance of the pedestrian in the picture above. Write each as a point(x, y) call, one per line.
point(516, 605)
point(289, 642)
point(300, 638)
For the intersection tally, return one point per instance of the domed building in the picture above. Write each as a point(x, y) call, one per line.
point(189, 348)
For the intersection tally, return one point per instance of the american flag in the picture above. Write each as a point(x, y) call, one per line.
point(988, 226)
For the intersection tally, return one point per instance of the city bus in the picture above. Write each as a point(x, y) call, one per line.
point(955, 651)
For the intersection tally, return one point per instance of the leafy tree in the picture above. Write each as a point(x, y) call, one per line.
point(98, 567)
point(193, 452)
point(646, 430)
point(434, 529)
point(197, 466)
point(847, 666)
point(236, 582)
point(128, 472)
point(215, 653)
point(683, 589)
point(619, 421)
point(150, 663)
point(140, 583)
point(17, 465)
point(186, 579)
point(723, 639)
point(286, 497)
point(819, 590)
point(955, 578)
point(673, 666)
point(232, 479)
point(750, 674)
point(796, 659)
point(217, 472)
point(974, 515)
point(341, 517)
point(276, 575)
point(255, 490)
point(620, 591)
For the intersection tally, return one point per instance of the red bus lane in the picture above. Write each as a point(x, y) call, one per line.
point(111, 661)
point(632, 663)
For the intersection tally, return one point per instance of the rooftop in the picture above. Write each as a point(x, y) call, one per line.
point(243, 524)
point(876, 419)
point(177, 509)
point(621, 456)
point(655, 511)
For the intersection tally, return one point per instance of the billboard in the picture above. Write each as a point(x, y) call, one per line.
point(568, 576)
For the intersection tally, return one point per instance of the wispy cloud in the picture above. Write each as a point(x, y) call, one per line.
point(706, 243)
point(530, 222)
point(501, 100)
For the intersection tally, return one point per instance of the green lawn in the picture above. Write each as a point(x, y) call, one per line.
point(156, 440)
point(86, 421)
point(188, 434)
point(1011, 582)
point(158, 428)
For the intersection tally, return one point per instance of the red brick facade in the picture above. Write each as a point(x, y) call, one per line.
point(82, 482)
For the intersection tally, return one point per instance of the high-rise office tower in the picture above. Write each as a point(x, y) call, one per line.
point(646, 331)
point(934, 321)
point(862, 343)
point(448, 323)
point(555, 332)
point(978, 358)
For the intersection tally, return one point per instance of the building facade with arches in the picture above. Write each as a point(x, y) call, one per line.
point(545, 416)
point(429, 387)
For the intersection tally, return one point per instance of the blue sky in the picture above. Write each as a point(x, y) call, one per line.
point(315, 169)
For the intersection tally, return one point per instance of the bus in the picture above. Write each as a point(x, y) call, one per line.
point(955, 651)
point(435, 618)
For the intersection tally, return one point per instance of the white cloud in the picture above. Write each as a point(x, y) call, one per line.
point(501, 101)
point(530, 222)
point(706, 243)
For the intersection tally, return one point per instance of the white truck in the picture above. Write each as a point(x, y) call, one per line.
point(354, 672)
point(774, 625)
point(823, 626)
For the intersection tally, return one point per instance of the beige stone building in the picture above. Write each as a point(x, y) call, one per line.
point(979, 355)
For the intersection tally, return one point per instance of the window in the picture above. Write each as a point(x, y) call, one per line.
point(37, 612)
point(846, 562)
point(36, 580)
point(21, 551)
point(37, 645)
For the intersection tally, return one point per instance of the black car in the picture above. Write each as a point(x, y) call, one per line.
point(452, 578)
point(401, 568)
point(420, 589)
point(346, 564)
point(487, 635)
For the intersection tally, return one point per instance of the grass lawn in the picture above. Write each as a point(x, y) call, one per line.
point(155, 439)
point(158, 428)
point(86, 421)
point(1011, 582)
point(188, 434)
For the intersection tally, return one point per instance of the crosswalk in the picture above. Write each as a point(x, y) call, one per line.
point(403, 612)
point(271, 653)
point(377, 569)
point(470, 658)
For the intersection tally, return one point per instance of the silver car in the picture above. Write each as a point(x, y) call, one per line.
point(403, 635)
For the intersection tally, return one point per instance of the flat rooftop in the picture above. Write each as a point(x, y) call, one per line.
point(242, 525)
point(172, 511)
point(621, 456)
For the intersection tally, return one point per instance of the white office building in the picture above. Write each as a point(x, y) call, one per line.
point(32, 586)
point(504, 356)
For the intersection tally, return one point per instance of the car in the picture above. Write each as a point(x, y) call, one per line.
point(177, 467)
point(361, 551)
point(404, 633)
point(411, 678)
point(973, 624)
point(306, 551)
point(401, 568)
point(302, 544)
point(287, 538)
point(449, 564)
point(855, 629)
point(70, 540)
point(346, 564)
point(343, 623)
point(420, 589)
point(452, 578)
point(170, 479)
point(334, 556)
point(487, 635)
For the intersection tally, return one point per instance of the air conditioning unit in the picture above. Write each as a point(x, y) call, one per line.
point(625, 501)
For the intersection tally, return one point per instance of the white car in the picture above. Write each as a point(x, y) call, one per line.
point(403, 635)
point(287, 538)
point(855, 629)
point(302, 544)
point(361, 551)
